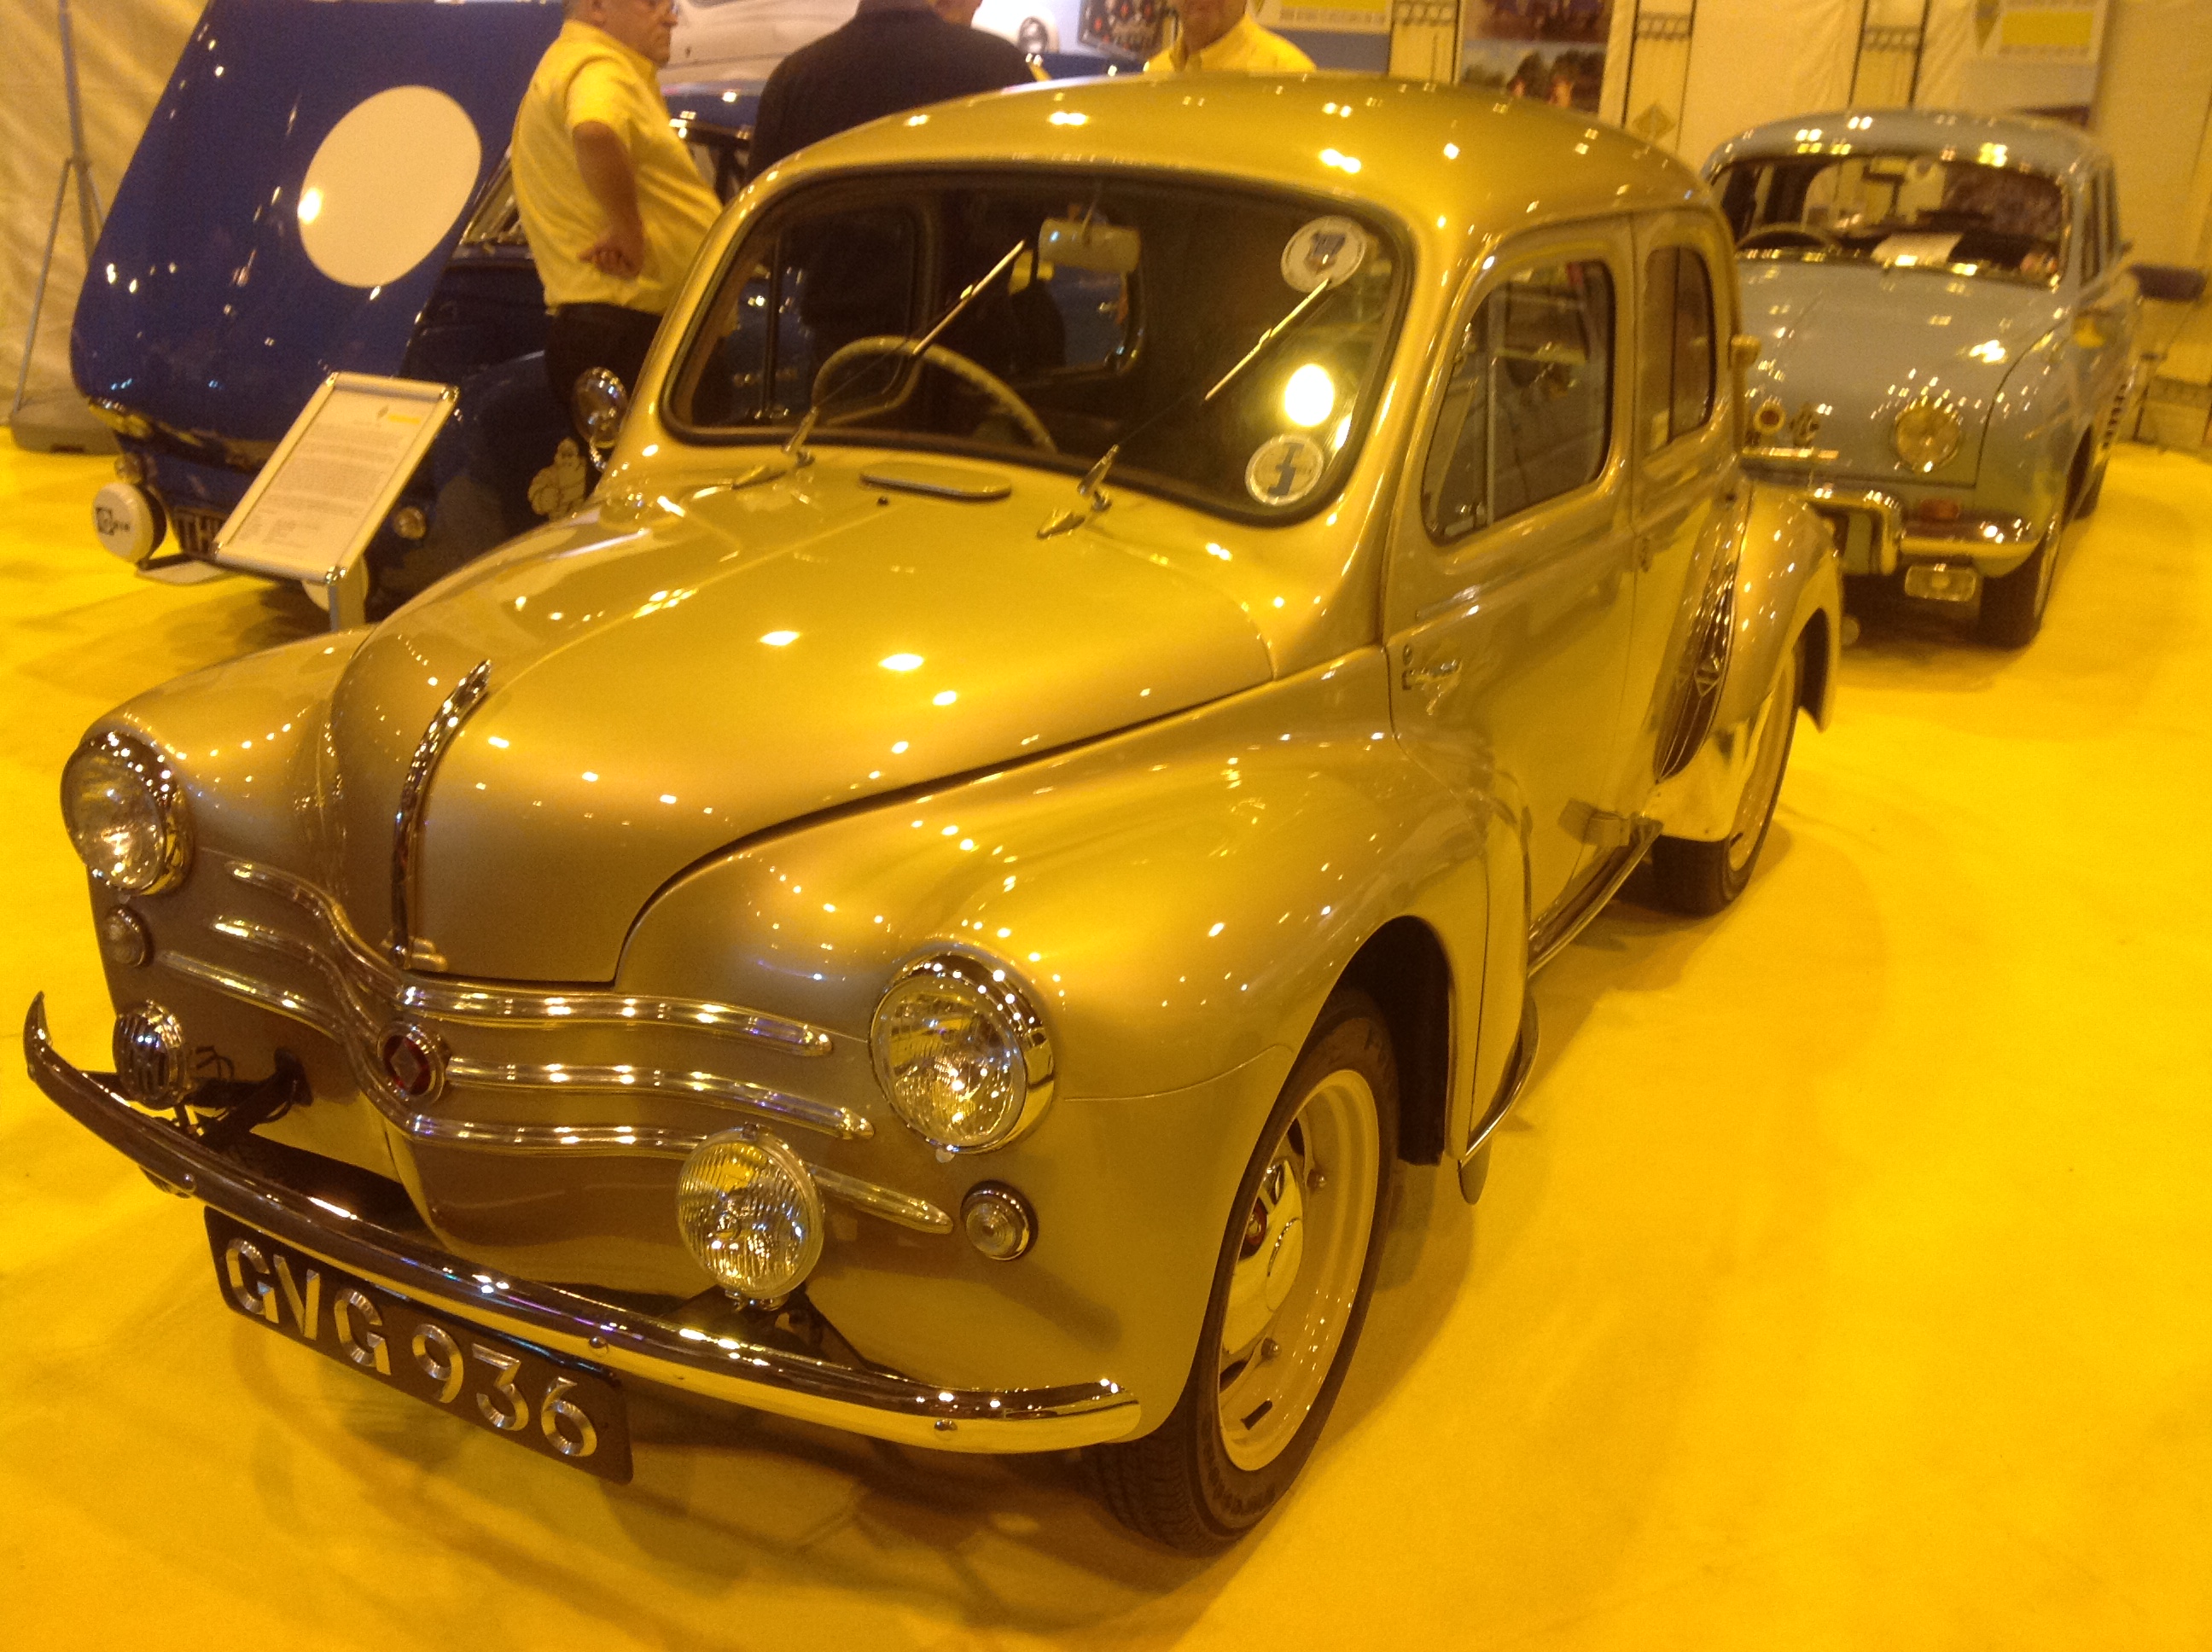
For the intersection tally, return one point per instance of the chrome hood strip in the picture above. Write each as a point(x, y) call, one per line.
point(415, 796)
point(490, 1007)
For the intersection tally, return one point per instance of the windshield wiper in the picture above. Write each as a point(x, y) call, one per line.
point(911, 347)
point(1269, 336)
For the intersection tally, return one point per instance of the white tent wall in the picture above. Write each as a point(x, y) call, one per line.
point(1757, 60)
point(125, 50)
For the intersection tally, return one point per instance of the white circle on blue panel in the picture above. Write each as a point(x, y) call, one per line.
point(386, 185)
point(1324, 249)
point(1286, 468)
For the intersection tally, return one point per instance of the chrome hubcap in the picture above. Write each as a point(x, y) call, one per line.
point(1299, 1256)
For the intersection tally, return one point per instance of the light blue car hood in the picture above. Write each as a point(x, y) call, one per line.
point(1862, 343)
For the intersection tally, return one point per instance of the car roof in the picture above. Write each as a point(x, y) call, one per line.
point(1449, 162)
point(2045, 146)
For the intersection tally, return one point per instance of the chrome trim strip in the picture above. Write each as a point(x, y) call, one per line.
point(493, 1006)
point(415, 796)
point(311, 1012)
point(888, 1202)
point(705, 1086)
point(879, 1403)
point(1571, 911)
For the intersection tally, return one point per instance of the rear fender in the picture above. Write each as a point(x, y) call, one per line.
point(1788, 587)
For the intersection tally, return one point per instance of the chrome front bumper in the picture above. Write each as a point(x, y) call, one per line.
point(861, 1401)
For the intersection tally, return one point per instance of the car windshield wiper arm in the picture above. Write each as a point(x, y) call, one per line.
point(1261, 344)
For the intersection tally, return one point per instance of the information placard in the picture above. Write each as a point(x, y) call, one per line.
point(317, 503)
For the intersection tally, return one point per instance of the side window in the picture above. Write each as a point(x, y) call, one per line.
point(2113, 216)
point(813, 289)
point(2092, 230)
point(1674, 368)
point(1527, 411)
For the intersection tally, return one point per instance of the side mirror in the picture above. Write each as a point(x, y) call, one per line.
point(1742, 357)
point(599, 402)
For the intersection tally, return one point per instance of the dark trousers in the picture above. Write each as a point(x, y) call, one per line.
point(581, 336)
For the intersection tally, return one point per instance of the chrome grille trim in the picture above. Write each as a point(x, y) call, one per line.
point(705, 1086)
point(581, 1138)
point(354, 1025)
point(493, 1006)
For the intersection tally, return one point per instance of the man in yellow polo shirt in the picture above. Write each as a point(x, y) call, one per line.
point(1221, 35)
point(611, 203)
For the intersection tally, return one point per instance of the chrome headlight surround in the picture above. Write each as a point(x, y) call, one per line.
point(1926, 434)
point(126, 813)
point(962, 1054)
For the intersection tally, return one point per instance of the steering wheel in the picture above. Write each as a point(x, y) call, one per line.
point(1799, 234)
point(954, 363)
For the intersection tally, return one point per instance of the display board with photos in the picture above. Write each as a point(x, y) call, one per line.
point(1552, 51)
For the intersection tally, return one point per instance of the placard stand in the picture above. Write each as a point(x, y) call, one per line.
point(324, 492)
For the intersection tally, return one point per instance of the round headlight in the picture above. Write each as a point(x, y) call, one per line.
point(963, 1057)
point(125, 813)
point(1926, 435)
point(750, 1213)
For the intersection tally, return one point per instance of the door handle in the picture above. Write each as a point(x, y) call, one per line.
point(1425, 677)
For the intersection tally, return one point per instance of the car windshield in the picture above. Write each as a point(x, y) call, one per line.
point(1904, 211)
point(1103, 315)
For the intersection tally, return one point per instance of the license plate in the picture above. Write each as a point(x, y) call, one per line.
point(561, 1408)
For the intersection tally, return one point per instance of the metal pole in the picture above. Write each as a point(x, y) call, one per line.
point(39, 293)
point(88, 203)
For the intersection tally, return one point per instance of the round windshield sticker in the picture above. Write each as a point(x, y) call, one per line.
point(1326, 249)
point(1286, 468)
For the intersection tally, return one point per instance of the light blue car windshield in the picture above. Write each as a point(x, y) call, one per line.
point(1904, 211)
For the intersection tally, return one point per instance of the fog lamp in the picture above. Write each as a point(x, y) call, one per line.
point(1925, 436)
point(962, 1058)
point(1942, 582)
point(750, 1214)
point(151, 1063)
point(125, 814)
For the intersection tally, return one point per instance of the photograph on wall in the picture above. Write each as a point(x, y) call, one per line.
point(1132, 26)
point(1552, 50)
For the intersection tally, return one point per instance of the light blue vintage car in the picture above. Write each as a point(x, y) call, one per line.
point(1944, 334)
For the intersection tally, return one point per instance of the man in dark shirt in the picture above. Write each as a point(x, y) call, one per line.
point(894, 55)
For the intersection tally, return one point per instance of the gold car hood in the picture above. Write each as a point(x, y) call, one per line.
point(669, 676)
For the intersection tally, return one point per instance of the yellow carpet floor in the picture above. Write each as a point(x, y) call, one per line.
point(1845, 1281)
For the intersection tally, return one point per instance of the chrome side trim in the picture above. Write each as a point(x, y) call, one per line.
point(496, 1006)
point(415, 796)
point(1516, 1080)
point(705, 1086)
point(886, 1202)
point(1574, 909)
point(879, 1403)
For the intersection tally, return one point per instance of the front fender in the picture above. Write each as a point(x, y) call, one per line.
point(1177, 901)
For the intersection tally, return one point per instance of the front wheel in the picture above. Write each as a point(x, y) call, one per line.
point(1700, 879)
point(2012, 607)
point(1290, 1293)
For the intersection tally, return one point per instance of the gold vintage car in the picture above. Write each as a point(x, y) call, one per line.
point(1124, 624)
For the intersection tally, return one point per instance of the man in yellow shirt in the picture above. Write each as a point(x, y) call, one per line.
point(1221, 35)
point(611, 203)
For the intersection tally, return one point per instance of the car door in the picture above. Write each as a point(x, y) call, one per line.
point(1512, 584)
point(1684, 442)
point(2105, 311)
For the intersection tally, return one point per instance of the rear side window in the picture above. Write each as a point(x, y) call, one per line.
point(1676, 364)
point(2092, 231)
point(1527, 411)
